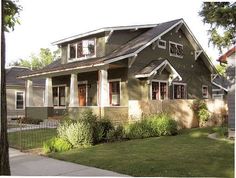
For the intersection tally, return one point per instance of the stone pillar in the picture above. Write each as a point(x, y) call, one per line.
point(29, 93)
point(48, 101)
point(74, 91)
point(104, 88)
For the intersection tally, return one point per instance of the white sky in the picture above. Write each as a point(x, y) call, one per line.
point(46, 21)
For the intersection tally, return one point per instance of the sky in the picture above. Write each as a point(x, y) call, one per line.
point(46, 21)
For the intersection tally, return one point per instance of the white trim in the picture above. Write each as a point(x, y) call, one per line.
point(177, 83)
point(159, 46)
point(159, 85)
point(176, 44)
point(114, 80)
point(219, 86)
point(178, 27)
point(57, 106)
point(217, 89)
point(108, 36)
point(219, 96)
point(207, 94)
point(197, 53)
point(19, 91)
point(100, 31)
point(131, 60)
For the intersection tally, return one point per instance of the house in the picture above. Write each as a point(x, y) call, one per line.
point(16, 92)
point(229, 58)
point(106, 69)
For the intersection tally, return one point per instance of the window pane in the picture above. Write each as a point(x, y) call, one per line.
point(173, 49)
point(79, 50)
point(155, 90)
point(179, 91)
point(19, 100)
point(19, 104)
point(163, 90)
point(114, 93)
point(72, 51)
point(55, 91)
point(19, 96)
point(179, 50)
point(62, 101)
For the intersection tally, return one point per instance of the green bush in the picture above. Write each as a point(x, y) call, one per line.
point(162, 124)
point(56, 145)
point(201, 111)
point(105, 126)
point(116, 133)
point(30, 121)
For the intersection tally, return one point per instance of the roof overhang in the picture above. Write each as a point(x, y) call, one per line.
point(165, 64)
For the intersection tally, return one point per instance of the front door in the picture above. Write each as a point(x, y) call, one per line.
point(82, 94)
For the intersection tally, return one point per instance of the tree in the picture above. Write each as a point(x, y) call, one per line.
point(10, 17)
point(222, 19)
point(45, 57)
point(221, 69)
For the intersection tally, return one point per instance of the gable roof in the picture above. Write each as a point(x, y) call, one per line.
point(223, 58)
point(221, 82)
point(129, 49)
point(13, 72)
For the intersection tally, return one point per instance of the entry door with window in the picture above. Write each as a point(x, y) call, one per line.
point(82, 94)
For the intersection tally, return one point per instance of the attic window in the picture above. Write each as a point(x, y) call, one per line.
point(82, 50)
point(162, 44)
point(176, 49)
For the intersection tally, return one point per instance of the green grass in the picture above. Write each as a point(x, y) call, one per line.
point(189, 154)
point(30, 139)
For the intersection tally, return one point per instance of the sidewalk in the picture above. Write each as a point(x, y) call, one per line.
point(25, 164)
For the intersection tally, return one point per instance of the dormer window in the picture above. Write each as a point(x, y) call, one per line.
point(81, 50)
point(176, 49)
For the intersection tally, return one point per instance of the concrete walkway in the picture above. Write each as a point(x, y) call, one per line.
point(25, 164)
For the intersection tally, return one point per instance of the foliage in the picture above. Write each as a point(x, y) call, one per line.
point(222, 131)
point(162, 124)
point(106, 126)
point(201, 111)
point(11, 12)
point(117, 133)
point(222, 17)
point(221, 69)
point(38, 61)
point(155, 125)
point(26, 120)
point(56, 145)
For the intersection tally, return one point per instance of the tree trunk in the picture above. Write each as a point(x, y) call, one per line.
point(4, 152)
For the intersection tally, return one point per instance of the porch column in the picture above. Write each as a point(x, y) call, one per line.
point(48, 93)
point(104, 88)
point(29, 93)
point(74, 91)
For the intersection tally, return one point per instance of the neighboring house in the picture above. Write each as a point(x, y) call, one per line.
point(220, 86)
point(16, 92)
point(108, 68)
point(229, 58)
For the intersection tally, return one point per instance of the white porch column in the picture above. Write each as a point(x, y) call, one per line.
point(48, 93)
point(104, 88)
point(73, 91)
point(29, 93)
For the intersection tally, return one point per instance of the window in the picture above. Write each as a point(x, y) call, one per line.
point(204, 91)
point(176, 49)
point(162, 44)
point(217, 93)
point(159, 90)
point(82, 49)
point(114, 88)
point(19, 100)
point(179, 91)
point(59, 96)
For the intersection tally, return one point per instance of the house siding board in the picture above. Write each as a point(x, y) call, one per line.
point(194, 73)
point(39, 112)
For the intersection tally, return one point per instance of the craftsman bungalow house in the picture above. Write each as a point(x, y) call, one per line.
point(107, 68)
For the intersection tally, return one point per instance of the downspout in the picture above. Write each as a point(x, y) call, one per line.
point(98, 95)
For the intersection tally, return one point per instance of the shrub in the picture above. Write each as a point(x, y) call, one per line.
point(30, 121)
point(56, 145)
point(201, 111)
point(163, 124)
point(106, 126)
point(116, 133)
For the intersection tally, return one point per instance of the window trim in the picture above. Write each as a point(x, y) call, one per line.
point(59, 107)
point(159, 81)
point(19, 91)
point(76, 45)
point(207, 94)
point(159, 46)
point(186, 92)
point(175, 55)
point(114, 80)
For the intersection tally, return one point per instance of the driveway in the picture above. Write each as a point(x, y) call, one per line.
point(26, 164)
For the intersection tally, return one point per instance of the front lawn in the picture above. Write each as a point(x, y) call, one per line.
point(189, 154)
point(30, 139)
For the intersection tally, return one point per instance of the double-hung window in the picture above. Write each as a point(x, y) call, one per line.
point(82, 49)
point(204, 91)
point(114, 93)
point(19, 100)
point(179, 91)
point(59, 99)
point(159, 90)
point(176, 49)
